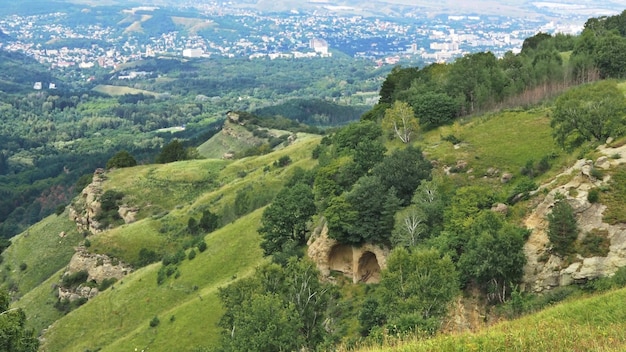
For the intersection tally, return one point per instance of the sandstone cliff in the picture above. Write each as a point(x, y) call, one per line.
point(359, 263)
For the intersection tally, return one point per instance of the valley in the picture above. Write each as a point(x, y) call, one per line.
point(336, 202)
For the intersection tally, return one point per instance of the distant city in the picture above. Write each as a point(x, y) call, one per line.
point(223, 31)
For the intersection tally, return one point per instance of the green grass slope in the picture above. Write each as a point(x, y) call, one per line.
point(591, 324)
point(231, 139)
point(43, 252)
point(505, 140)
point(187, 306)
point(118, 319)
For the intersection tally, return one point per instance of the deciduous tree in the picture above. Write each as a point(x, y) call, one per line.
point(400, 118)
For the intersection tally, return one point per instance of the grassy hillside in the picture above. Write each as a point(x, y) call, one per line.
point(590, 324)
point(187, 306)
point(38, 253)
point(124, 312)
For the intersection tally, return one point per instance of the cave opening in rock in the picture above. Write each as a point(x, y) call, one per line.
point(369, 269)
point(340, 259)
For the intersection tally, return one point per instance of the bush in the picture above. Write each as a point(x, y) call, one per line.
point(192, 254)
point(593, 196)
point(106, 283)
point(154, 322)
point(59, 210)
point(202, 246)
point(121, 159)
point(23, 266)
point(597, 174)
point(283, 161)
point(147, 256)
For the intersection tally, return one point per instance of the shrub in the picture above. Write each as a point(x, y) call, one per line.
point(155, 322)
point(192, 254)
point(202, 246)
point(451, 138)
point(597, 173)
point(23, 266)
point(121, 159)
point(562, 227)
point(59, 210)
point(283, 161)
point(106, 283)
point(595, 244)
point(593, 196)
point(147, 256)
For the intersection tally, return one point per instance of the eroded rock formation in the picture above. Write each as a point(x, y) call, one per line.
point(99, 268)
point(360, 263)
point(545, 270)
point(87, 206)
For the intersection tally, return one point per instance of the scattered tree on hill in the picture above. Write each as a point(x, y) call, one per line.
point(173, 151)
point(562, 227)
point(121, 159)
point(591, 112)
point(285, 219)
point(209, 221)
point(409, 227)
point(400, 118)
point(367, 215)
point(278, 309)
point(403, 170)
point(493, 257)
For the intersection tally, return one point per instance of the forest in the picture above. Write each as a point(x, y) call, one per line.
point(50, 138)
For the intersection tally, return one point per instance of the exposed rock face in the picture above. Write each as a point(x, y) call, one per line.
point(84, 210)
point(128, 214)
point(544, 270)
point(361, 264)
point(98, 266)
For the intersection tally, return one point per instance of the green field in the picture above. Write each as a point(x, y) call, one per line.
point(121, 90)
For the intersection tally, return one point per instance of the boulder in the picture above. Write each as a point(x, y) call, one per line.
point(500, 208)
point(603, 163)
point(506, 177)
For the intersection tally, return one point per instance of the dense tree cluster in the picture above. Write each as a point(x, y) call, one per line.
point(439, 93)
point(280, 308)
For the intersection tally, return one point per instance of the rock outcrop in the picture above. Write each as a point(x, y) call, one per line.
point(361, 264)
point(99, 268)
point(85, 209)
point(545, 270)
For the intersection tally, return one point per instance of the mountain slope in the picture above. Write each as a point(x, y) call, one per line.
point(186, 305)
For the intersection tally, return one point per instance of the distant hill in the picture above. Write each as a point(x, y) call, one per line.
point(314, 112)
point(18, 73)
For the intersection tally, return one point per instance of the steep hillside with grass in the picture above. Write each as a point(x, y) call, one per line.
point(138, 310)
